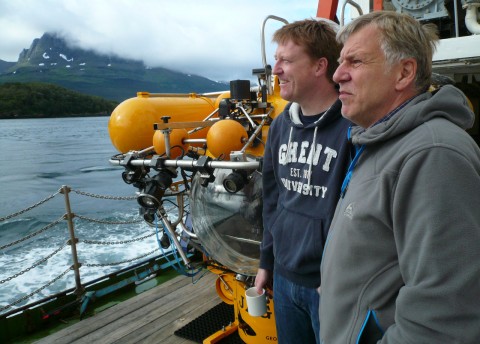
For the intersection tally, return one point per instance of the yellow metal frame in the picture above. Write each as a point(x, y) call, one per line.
point(252, 330)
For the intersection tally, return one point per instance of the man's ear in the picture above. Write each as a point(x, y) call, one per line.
point(321, 66)
point(407, 71)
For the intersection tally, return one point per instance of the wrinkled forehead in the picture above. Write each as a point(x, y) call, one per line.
point(363, 41)
point(345, 32)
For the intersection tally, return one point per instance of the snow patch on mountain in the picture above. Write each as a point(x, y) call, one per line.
point(65, 57)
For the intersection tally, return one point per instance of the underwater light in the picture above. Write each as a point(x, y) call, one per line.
point(148, 216)
point(235, 181)
point(151, 196)
point(131, 176)
point(152, 218)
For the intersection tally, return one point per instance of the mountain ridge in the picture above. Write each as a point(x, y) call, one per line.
point(50, 59)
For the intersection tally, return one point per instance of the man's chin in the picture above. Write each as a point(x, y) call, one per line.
point(285, 95)
point(346, 113)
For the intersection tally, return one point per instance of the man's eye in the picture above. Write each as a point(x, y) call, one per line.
point(356, 63)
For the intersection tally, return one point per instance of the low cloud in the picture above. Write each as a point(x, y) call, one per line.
point(217, 39)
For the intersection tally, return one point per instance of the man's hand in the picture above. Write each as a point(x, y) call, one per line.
point(263, 280)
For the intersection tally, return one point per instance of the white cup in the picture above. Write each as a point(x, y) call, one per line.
point(256, 303)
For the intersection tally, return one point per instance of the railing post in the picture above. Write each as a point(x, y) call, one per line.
point(73, 241)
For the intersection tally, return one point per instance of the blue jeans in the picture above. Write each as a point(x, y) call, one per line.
point(296, 312)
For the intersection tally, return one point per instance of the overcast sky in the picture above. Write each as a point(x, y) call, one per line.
point(218, 39)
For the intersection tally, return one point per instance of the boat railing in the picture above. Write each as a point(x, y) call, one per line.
point(73, 243)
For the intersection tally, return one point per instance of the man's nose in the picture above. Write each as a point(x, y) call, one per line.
point(276, 69)
point(340, 74)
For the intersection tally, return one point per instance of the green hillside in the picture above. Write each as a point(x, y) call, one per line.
point(115, 83)
point(41, 100)
point(50, 59)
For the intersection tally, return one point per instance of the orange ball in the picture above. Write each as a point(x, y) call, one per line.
point(177, 137)
point(224, 137)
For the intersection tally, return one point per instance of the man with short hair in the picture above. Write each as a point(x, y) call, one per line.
point(401, 264)
point(305, 160)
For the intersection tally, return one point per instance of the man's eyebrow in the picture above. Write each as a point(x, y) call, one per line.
point(351, 55)
point(343, 58)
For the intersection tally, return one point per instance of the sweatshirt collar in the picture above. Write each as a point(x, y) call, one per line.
point(393, 112)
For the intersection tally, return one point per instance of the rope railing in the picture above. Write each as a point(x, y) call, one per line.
point(69, 216)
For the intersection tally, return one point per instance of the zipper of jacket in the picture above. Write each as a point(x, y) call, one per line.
point(346, 181)
point(358, 151)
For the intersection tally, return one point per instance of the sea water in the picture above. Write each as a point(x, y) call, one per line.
point(38, 157)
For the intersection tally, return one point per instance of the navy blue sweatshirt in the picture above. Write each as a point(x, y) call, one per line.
point(303, 170)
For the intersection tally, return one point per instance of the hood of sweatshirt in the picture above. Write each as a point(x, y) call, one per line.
point(447, 102)
point(329, 115)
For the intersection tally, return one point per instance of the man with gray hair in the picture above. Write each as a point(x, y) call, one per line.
point(401, 263)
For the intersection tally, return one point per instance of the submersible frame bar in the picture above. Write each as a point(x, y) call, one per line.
point(187, 164)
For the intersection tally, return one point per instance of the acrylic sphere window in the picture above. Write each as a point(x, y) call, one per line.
point(229, 225)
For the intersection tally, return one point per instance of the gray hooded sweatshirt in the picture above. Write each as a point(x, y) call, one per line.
point(402, 259)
